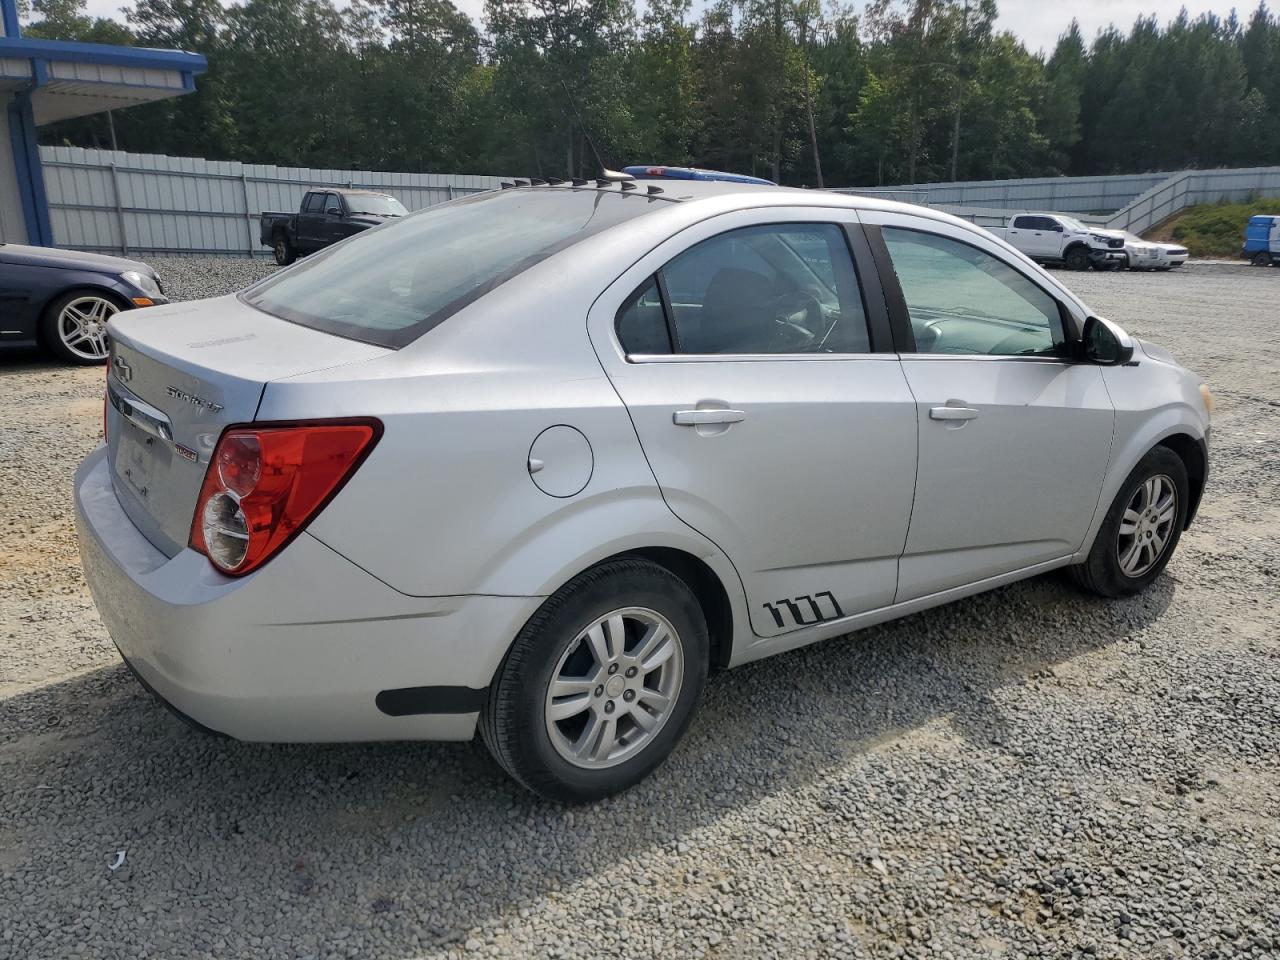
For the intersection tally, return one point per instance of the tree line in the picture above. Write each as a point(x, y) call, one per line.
point(898, 91)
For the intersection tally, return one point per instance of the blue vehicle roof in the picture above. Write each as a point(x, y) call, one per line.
point(660, 171)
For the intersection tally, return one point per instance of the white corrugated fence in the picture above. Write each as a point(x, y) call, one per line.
point(141, 203)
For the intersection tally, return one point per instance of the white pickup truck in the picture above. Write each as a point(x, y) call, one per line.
point(1053, 238)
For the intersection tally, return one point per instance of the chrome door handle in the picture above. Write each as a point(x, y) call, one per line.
point(952, 413)
point(694, 418)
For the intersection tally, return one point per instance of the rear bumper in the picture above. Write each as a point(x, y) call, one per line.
point(309, 648)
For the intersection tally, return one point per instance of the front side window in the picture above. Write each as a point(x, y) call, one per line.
point(313, 203)
point(332, 205)
point(777, 288)
point(394, 282)
point(962, 300)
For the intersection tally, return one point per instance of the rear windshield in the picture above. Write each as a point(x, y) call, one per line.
point(393, 283)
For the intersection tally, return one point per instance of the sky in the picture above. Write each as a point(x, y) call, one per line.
point(1038, 23)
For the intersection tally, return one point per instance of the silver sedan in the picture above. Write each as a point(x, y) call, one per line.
point(536, 460)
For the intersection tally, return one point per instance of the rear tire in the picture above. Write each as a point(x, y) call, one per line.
point(1141, 529)
point(626, 645)
point(284, 250)
point(1077, 258)
point(1261, 259)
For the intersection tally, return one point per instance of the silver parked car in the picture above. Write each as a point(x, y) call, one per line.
point(536, 460)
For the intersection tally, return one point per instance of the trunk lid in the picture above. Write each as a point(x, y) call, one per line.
point(178, 376)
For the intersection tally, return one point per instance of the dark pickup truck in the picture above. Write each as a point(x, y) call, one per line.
point(325, 217)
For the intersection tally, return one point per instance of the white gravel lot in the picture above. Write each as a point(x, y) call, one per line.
point(1032, 772)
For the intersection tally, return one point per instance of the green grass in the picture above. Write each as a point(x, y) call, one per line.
point(1214, 229)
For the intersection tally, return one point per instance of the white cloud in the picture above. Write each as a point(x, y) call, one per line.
point(1038, 23)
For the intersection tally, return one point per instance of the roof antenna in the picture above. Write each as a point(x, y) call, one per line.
point(653, 189)
point(628, 185)
point(522, 183)
point(615, 176)
point(535, 182)
point(591, 143)
point(507, 186)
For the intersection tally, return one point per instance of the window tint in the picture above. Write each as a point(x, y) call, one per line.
point(313, 203)
point(405, 277)
point(962, 300)
point(1026, 223)
point(780, 288)
point(332, 204)
point(642, 325)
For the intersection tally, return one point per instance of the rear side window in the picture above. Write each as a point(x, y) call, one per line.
point(963, 300)
point(391, 284)
point(785, 288)
point(642, 324)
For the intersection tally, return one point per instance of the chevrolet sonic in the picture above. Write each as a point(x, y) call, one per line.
point(538, 459)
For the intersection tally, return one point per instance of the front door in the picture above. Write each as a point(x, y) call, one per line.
point(744, 358)
point(1014, 437)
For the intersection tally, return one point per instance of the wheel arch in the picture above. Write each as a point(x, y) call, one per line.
point(1193, 455)
point(85, 284)
point(706, 585)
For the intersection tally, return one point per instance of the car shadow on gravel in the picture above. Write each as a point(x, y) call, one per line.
point(427, 841)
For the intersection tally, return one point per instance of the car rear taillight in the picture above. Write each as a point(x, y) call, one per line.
point(265, 483)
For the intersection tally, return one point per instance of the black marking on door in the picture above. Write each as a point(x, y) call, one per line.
point(801, 617)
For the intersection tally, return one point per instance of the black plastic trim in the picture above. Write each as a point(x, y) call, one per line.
point(416, 701)
point(904, 338)
point(873, 297)
point(189, 721)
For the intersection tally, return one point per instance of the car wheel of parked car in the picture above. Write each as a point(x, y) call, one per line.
point(283, 249)
point(74, 326)
point(1261, 259)
point(1077, 258)
point(600, 684)
point(1141, 530)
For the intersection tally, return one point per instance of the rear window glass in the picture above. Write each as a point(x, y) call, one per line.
point(393, 283)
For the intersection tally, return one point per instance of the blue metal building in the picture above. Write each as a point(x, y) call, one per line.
point(46, 80)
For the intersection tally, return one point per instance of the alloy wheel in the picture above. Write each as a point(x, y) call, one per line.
point(614, 687)
point(82, 326)
point(1146, 526)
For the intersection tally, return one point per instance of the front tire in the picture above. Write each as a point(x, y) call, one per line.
point(1261, 259)
point(1141, 529)
point(74, 326)
point(1077, 258)
point(600, 684)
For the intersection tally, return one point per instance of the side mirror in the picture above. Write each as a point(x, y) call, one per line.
point(1106, 344)
point(1057, 228)
point(333, 212)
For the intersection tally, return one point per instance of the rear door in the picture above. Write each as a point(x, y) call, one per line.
point(754, 358)
point(310, 221)
point(1014, 435)
point(1035, 236)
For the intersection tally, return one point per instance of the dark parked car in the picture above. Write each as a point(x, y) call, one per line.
point(62, 299)
point(325, 217)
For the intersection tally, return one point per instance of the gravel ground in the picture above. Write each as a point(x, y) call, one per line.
point(1028, 773)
